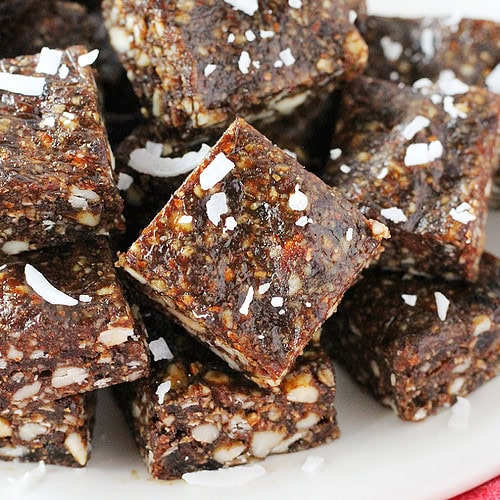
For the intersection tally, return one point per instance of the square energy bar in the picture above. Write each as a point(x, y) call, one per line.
point(422, 162)
point(253, 253)
point(195, 413)
point(417, 344)
point(199, 64)
point(57, 432)
point(65, 325)
point(56, 176)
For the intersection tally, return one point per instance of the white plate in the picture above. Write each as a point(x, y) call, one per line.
point(377, 457)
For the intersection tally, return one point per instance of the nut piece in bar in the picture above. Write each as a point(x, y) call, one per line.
point(424, 163)
point(253, 253)
point(407, 50)
point(195, 413)
point(417, 344)
point(189, 62)
point(65, 325)
point(56, 176)
point(57, 432)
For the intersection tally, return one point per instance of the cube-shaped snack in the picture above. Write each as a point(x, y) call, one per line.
point(407, 50)
point(253, 253)
point(252, 58)
point(417, 344)
point(424, 163)
point(195, 413)
point(57, 432)
point(57, 180)
point(51, 23)
point(66, 326)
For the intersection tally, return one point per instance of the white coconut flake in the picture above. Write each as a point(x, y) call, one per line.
point(436, 98)
point(244, 62)
point(22, 84)
point(85, 298)
point(185, 219)
point(450, 85)
point(146, 161)
point(493, 80)
point(392, 50)
point(160, 350)
point(410, 300)
point(422, 83)
point(349, 234)
point(3, 266)
point(303, 221)
point(37, 281)
point(63, 72)
point(162, 390)
point(449, 107)
point(266, 33)
point(246, 303)
point(421, 153)
point(287, 57)
point(231, 38)
point(345, 168)
point(393, 214)
point(209, 69)
point(230, 224)
point(250, 35)
point(249, 7)
point(353, 15)
point(29, 478)
point(460, 412)
point(264, 288)
point(382, 173)
point(49, 61)
point(124, 181)
point(217, 206)
point(88, 58)
point(277, 301)
point(335, 153)
point(312, 463)
point(298, 200)
point(427, 43)
point(215, 171)
point(278, 64)
point(290, 153)
point(435, 150)
point(442, 304)
point(295, 4)
point(463, 213)
point(415, 126)
point(225, 478)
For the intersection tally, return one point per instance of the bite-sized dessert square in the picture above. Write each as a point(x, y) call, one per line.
point(57, 432)
point(195, 413)
point(199, 64)
point(407, 50)
point(56, 170)
point(253, 253)
point(423, 163)
point(417, 344)
point(66, 326)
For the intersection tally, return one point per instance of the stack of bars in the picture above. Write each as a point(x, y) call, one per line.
point(66, 327)
point(264, 178)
